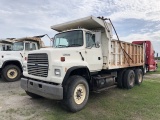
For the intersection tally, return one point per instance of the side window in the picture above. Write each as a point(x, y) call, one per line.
point(27, 46)
point(90, 40)
point(3, 48)
point(33, 46)
point(61, 42)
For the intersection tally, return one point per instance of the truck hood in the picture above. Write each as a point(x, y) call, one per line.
point(72, 53)
point(10, 53)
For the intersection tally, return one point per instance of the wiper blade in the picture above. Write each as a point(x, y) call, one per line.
point(72, 45)
point(61, 46)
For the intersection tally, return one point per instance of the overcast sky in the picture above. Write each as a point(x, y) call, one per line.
point(133, 19)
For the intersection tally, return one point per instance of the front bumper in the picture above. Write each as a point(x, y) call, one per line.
point(43, 89)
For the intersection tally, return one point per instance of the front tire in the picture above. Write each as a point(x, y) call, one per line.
point(76, 93)
point(11, 73)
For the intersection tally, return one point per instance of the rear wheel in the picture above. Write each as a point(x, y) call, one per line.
point(138, 76)
point(120, 78)
point(77, 93)
point(11, 73)
point(156, 67)
point(129, 79)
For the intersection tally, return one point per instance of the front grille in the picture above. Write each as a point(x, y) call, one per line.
point(38, 64)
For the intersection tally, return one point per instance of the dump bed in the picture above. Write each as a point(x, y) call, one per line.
point(124, 54)
point(116, 54)
point(34, 39)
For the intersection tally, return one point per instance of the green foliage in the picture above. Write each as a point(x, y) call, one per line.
point(141, 102)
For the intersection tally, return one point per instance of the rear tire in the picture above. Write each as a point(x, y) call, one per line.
point(32, 95)
point(138, 76)
point(76, 93)
point(120, 79)
point(129, 79)
point(11, 73)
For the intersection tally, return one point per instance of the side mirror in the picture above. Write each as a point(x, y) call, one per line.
point(97, 45)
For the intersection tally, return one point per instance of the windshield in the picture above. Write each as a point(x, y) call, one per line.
point(18, 46)
point(69, 39)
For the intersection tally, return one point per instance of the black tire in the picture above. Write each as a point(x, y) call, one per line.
point(120, 78)
point(129, 79)
point(32, 95)
point(156, 68)
point(9, 71)
point(71, 100)
point(138, 76)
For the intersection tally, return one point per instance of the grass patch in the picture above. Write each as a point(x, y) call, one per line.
point(23, 94)
point(11, 110)
point(155, 72)
point(141, 102)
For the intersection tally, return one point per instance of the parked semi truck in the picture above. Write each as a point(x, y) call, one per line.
point(11, 62)
point(150, 62)
point(85, 58)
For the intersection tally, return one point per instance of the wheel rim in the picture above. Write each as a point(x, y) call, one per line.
point(131, 81)
point(140, 78)
point(79, 94)
point(12, 73)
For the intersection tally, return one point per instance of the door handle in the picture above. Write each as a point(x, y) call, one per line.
point(99, 58)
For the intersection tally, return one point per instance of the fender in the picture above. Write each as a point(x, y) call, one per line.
point(70, 70)
point(12, 61)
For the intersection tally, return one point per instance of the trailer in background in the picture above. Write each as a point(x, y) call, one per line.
point(150, 62)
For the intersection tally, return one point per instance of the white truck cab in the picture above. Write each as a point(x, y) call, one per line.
point(84, 58)
point(11, 62)
point(6, 44)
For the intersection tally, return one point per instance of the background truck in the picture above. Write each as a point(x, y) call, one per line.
point(11, 62)
point(6, 44)
point(150, 62)
point(84, 58)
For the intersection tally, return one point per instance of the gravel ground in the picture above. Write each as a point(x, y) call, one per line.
point(16, 105)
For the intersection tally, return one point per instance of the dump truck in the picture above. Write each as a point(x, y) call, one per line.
point(150, 62)
point(85, 58)
point(6, 44)
point(11, 62)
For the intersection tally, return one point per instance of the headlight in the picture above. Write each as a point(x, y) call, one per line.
point(57, 72)
point(24, 68)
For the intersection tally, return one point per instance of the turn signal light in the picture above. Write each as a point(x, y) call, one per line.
point(26, 58)
point(62, 59)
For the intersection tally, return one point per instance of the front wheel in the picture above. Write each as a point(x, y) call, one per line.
point(11, 73)
point(77, 93)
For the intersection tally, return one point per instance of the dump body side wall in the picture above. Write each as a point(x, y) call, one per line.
point(124, 54)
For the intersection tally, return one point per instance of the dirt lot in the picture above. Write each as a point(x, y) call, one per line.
point(16, 105)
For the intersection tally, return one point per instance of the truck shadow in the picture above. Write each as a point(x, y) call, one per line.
point(58, 107)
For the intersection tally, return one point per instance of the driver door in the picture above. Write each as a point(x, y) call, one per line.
point(93, 54)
